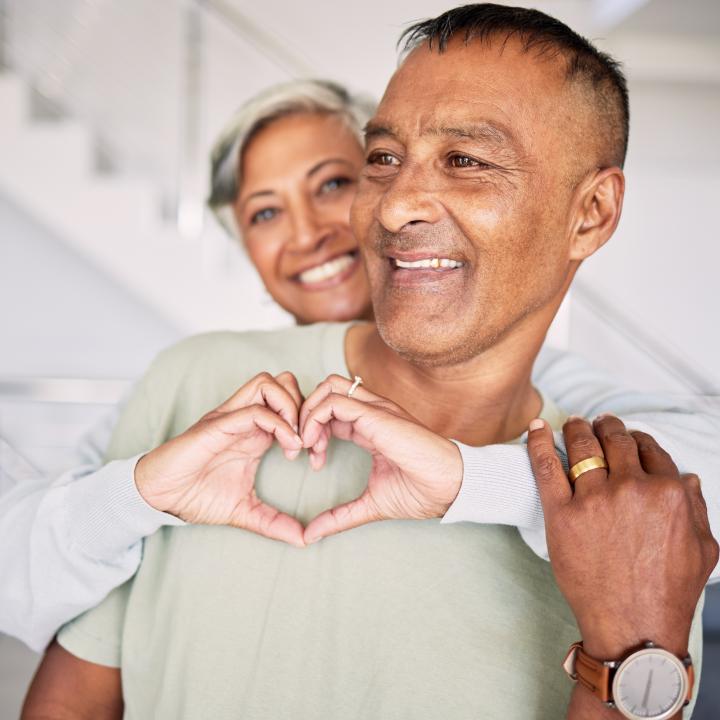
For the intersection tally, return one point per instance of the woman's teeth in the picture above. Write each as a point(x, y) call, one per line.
point(327, 270)
point(429, 263)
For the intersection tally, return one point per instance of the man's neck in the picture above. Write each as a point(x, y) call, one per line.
point(489, 399)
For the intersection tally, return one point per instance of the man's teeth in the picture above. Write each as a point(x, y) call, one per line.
point(327, 270)
point(429, 263)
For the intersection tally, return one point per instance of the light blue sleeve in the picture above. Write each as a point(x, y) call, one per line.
point(67, 542)
point(498, 484)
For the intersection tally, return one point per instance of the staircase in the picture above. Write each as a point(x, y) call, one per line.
point(47, 168)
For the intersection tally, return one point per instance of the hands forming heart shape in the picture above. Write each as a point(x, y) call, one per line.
point(207, 474)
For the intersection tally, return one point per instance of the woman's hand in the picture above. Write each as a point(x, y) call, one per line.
point(207, 474)
point(415, 474)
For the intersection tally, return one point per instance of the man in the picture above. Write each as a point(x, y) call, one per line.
point(494, 156)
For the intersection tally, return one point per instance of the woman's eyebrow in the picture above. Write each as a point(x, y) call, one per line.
point(258, 193)
point(323, 163)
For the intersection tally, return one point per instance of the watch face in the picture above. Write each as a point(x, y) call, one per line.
point(651, 683)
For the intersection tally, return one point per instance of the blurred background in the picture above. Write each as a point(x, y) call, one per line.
point(108, 109)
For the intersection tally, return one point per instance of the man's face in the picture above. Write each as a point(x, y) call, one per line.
point(468, 159)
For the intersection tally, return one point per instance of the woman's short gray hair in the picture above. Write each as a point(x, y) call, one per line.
point(297, 96)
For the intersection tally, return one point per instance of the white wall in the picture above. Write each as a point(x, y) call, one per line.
point(660, 268)
point(61, 318)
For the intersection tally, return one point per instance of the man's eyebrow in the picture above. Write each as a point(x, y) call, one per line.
point(485, 131)
point(481, 132)
point(374, 130)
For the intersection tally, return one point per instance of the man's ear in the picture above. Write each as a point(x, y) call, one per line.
point(598, 206)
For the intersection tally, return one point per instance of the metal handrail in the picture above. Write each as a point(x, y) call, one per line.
point(84, 391)
point(190, 197)
point(254, 34)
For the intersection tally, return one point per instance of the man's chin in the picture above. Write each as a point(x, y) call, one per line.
point(433, 343)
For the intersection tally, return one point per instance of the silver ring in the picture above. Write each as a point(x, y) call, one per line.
point(354, 386)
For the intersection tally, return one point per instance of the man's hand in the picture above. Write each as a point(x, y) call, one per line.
point(630, 546)
point(415, 474)
point(207, 474)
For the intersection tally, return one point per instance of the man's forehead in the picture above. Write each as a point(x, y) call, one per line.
point(491, 92)
point(502, 75)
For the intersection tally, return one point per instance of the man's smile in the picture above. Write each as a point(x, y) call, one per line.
point(435, 263)
point(417, 268)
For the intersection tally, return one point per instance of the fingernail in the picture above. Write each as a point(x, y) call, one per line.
point(603, 415)
point(536, 424)
point(298, 441)
point(311, 541)
point(574, 417)
point(292, 454)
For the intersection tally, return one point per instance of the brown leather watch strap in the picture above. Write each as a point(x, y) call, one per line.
point(593, 674)
point(691, 678)
point(596, 675)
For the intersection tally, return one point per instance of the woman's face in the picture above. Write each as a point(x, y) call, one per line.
point(299, 177)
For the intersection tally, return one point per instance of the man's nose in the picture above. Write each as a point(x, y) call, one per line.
point(308, 230)
point(409, 198)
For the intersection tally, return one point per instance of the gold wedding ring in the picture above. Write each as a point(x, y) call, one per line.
point(585, 466)
point(354, 386)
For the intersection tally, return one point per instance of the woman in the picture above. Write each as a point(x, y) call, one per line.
point(283, 180)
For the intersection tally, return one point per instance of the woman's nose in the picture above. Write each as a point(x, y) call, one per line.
point(308, 230)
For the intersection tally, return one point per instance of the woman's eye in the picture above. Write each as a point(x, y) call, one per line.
point(263, 215)
point(382, 158)
point(334, 184)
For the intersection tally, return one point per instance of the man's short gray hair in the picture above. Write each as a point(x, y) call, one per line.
point(297, 96)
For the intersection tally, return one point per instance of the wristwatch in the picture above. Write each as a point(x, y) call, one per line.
point(649, 682)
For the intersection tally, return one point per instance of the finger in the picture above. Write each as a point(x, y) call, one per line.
point(654, 459)
point(339, 385)
point(343, 517)
point(229, 425)
point(318, 452)
point(693, 487)
point(334, 428)
point(582, 444)
point(341, 413)
point(265, 520)
point(619, 446)
point(244, 396)
point(289, 382)
point(552, 482)
point(264, 389)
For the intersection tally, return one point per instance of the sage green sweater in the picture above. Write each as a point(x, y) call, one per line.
point(406, 619)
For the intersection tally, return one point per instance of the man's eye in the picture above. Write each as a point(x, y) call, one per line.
point(263, 215)
point(334, 184)
point(381, 158)
point(463, 161)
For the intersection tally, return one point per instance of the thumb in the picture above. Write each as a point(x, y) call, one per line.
point(552, 482)
point(343, 517)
